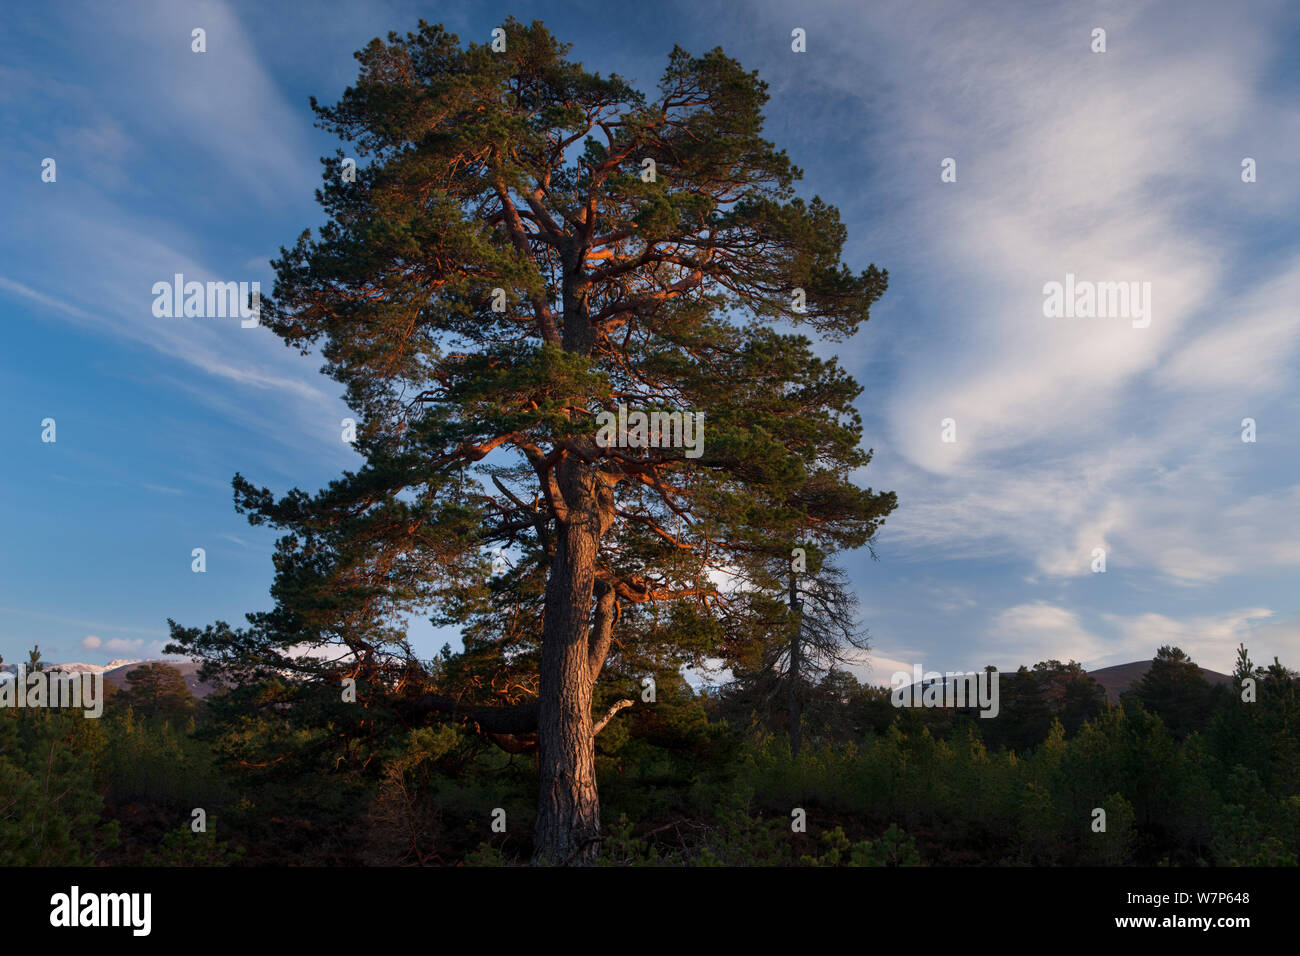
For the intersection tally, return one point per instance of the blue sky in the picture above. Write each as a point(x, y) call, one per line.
point(1072, 434)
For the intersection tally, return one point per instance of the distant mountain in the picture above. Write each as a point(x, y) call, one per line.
point(1115, 680)
point(1121, 677)
point(115, 672)
point(76, 667)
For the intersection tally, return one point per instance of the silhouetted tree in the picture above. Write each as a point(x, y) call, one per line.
point(1072, 694)
point(1175, 689)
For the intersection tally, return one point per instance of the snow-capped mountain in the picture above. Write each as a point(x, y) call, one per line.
point(115, 672)
point(76, 667)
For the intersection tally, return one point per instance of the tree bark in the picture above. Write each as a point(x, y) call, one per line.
point(796, 640)
point(568, 807)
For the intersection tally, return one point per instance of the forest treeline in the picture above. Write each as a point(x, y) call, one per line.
point(1187, 773)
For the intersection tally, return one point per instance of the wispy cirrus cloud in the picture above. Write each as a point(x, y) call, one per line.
point(1070, 432)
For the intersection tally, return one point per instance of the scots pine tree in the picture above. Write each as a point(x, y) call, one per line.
point(792, 647)
point(156, 689)
point(1175, 689)
point(522, 245)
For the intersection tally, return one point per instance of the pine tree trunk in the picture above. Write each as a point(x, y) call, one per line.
point(568, 811)
point(796, 731)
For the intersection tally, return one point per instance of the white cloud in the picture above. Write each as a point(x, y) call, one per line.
point(877, 669)
point(1074, 434)
point(102, 245)
point(1039, 631)
point(1211, 640)
point(1248, 347)
point(137, 646)
point(222, 104)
